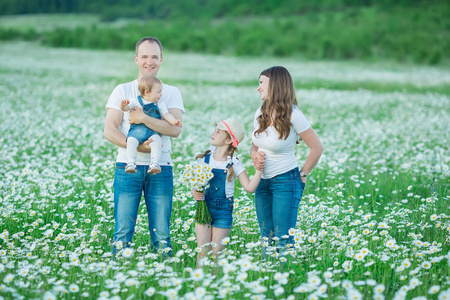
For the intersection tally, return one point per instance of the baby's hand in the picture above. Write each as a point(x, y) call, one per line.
point(197, 195)
point(178, 123)
point(124, 103)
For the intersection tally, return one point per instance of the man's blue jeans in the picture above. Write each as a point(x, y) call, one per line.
point(276, 201)
point(158, 193)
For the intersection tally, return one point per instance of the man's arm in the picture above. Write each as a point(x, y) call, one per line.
point(111, 131)
point(114, 135)
point(137, 116)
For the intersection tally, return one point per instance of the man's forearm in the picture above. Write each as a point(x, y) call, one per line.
point(111, 130)
point(116, 137)
point(162, 126)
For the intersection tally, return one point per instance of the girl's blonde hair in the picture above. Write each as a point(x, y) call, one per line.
point(281, 99)
point(146, 83)
point(231, 150)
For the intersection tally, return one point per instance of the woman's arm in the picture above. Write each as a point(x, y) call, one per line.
point(250, 185)
point(312, 141)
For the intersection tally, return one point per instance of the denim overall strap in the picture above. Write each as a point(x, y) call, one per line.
point(207, 157)
point(151, 109)
point(140, 101)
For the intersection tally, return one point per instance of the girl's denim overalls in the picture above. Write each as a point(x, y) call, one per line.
point(220, 207)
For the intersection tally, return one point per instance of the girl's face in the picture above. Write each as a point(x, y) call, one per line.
point(155, 94)
point(263, 87)
point(220, 138)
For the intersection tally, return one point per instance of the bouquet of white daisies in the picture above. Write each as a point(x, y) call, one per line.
point(197, 176)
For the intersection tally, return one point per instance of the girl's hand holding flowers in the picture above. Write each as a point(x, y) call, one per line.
point(198, 196)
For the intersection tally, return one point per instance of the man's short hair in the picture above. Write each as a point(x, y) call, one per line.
point(149, 39)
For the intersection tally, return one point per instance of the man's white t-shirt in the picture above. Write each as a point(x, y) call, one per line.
point(238, 168)
point(171, 98)
point(280, 153)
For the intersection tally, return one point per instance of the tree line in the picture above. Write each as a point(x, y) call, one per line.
point(405, 30)
point(195, 9)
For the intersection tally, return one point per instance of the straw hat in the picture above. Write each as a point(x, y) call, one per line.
point(234, 128)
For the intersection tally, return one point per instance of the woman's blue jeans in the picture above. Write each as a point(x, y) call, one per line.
point(276, 201)
point(158, 193)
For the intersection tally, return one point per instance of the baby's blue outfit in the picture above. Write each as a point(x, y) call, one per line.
point(140, 131)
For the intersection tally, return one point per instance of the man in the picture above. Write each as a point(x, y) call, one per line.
point(128, 187)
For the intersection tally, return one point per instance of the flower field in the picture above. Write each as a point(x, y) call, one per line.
point(374, 221)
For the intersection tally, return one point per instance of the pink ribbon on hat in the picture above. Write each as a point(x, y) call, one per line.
point(235, 141)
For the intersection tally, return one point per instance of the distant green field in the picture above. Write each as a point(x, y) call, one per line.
point(47, 22)
point(374, 222)
point(416, 34)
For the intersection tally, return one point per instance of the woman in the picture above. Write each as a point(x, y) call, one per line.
point(278, 125)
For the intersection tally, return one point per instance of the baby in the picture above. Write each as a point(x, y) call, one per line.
point(150, 89)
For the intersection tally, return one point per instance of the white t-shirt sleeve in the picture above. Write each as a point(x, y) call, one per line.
point(238, 167)
point(298, 121)
point(174, 99)
point(162, 109)
point(115, 98)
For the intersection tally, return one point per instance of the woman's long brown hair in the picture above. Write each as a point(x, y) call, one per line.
point(277, 110)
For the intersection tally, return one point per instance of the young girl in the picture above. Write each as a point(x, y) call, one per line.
point(150, 92)
point(219, 196)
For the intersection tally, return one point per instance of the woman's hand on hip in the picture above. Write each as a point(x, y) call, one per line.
point(303, 179)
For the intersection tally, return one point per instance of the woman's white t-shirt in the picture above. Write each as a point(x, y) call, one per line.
point(280, 153)
point(238, 168)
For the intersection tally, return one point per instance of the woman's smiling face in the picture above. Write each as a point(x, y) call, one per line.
point(263, 87)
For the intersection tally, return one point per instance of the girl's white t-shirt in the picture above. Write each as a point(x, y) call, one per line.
point(238, 168)
point(280, 153)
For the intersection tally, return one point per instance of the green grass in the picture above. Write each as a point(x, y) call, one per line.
point(383, 176)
